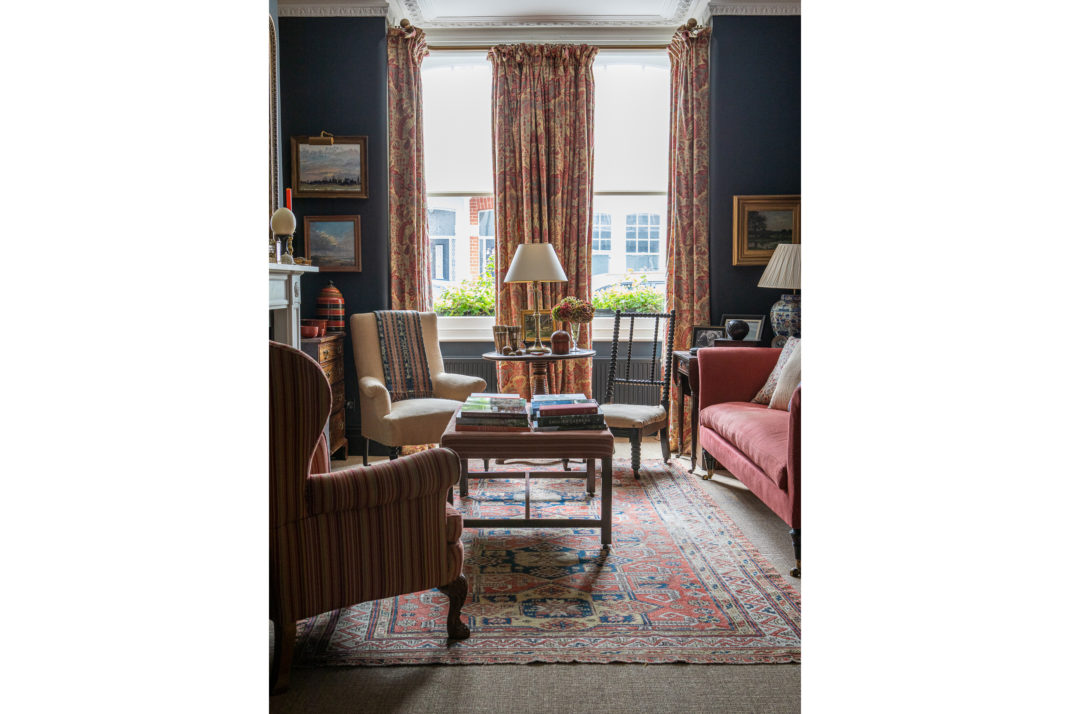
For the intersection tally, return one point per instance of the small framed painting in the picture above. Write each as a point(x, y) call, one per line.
point(332, 243)
point(336, 170)
point(704, 335)
point(527, 330)
point(760, 224)
point(755, 322)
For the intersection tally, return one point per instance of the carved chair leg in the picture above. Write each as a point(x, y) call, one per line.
point(282, 658)
point(367, 442)
point(796, 542)
point(665, 444)
point(457, 591)
point(636, 443)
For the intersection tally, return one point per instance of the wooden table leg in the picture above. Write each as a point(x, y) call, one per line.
point(590, 477)
point(539, 369)
point(464, 477)
point(607, 502)
point(694, 429)
point(680, 417)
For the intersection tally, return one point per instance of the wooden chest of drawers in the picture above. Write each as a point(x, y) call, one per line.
point(327, 350)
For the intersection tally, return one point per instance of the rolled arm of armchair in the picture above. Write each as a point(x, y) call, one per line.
point(375, 394)
point(423, 474)
point(456, 386)
point(733, 374)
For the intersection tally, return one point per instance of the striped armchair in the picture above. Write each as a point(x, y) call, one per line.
point(363, 533)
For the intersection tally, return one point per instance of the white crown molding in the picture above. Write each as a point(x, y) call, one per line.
point(346, 8)
point(747, 8)
point(673, 13)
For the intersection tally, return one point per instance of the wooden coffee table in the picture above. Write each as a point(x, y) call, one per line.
point(588, 446)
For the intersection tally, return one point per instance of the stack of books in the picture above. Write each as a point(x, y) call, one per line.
point(494, 412)
point(566, 412)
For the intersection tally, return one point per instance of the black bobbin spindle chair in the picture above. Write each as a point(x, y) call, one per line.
point(638, 420)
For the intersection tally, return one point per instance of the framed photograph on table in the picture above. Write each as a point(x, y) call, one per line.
point(527, 326)
point(335, 170)
point(704, 335)
point(332, 243)
point(755, 322)
point(760, 224)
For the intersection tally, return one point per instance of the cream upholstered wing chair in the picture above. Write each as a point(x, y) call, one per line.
point(408, 422)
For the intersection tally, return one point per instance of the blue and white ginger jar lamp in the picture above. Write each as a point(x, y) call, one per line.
point(784, 271)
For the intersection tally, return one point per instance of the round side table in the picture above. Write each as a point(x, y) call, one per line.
point(539, 365)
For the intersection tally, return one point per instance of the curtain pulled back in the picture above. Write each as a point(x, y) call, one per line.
point(410, 243)
point(543, 131)
point(688, 265)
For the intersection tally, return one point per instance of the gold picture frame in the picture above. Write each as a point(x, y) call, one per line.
point(527, 326)
point(338, 169)
point(760, 223)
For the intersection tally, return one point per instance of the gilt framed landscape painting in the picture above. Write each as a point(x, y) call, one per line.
point(760, 224)
point(337, 170)
point(332, 243)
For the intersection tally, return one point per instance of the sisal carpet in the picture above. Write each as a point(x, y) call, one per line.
point(680, 584)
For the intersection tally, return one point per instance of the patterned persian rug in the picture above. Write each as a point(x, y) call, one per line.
point(679, 584)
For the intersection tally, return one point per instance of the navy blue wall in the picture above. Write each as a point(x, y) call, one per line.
point(755, 146)
point(333, 78)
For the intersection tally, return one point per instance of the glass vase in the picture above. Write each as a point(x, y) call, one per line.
point(575, 329)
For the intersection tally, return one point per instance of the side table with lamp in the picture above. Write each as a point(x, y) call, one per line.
point(784, 271)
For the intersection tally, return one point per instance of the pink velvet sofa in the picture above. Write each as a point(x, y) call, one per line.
point(758, 445)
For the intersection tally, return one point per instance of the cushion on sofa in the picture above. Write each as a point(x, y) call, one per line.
point(789, 379)
point(757, 431)
point(766, 392)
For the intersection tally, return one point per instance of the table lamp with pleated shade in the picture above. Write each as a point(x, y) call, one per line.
point(536, 263)
point(784, 271)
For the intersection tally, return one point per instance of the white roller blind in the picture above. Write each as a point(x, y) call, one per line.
point(631, 121)
point(457, 139)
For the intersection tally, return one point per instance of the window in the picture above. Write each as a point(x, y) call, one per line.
point(442, 228)
point(630, 176)
point(641, 241)
point(486, 238)
point(457, 158)
point(601, 243)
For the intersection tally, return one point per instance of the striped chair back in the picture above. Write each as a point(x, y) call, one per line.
point(299, 404)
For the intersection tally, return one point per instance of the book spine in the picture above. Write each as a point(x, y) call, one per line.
point(480, 421)
point(574, 427)
point(487, 414)
point(489, 427)
point(547, 420)
point(567, 409)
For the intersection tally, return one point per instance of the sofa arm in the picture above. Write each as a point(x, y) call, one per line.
point(733, 374)
point(424, 474)
point(456, 386)
point(795, 455)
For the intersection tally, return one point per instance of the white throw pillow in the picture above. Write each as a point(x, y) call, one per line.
point(790, 377)
point(766, 393)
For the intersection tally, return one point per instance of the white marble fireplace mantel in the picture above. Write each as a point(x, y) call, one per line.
point(284, 300)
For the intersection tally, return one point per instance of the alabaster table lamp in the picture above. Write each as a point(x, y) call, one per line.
point(784, 271)
point(284, 223)
point(536, 263)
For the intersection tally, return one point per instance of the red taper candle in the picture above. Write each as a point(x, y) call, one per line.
point(289, 201)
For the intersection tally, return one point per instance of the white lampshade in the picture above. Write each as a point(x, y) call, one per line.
point(535, 262)
point(283, 222)
point(784, 269)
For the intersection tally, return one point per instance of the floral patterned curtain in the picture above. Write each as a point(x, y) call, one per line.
point(410, 244)
point(543, 127)
point(688, 270)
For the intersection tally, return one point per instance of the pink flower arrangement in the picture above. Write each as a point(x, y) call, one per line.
point(573, 310)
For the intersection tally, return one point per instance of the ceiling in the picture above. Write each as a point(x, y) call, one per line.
point(605, 22)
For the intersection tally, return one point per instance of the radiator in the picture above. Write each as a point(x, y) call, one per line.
point(622, 393)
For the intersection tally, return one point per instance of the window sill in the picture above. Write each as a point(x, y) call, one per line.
point(478, 329)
